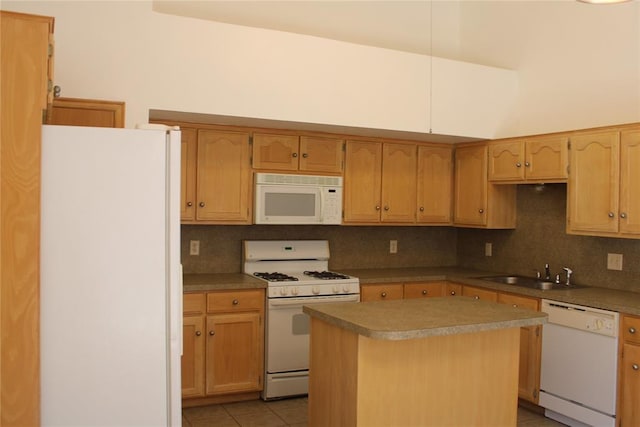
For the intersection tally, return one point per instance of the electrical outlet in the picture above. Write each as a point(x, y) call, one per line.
point(393, 246)
point(194, 247)
point(488, 249)
point(614, 262)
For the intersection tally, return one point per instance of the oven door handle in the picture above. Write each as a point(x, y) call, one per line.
point(284, 302)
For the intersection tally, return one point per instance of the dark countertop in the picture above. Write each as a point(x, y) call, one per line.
point(603, 298)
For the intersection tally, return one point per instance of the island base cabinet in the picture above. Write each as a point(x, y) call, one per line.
point(464, 379)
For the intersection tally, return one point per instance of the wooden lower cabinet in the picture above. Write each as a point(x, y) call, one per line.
point(629, 372)
point(223, 345)
point(381, 292)
point(391, 291)
point(479, 293)
point(425, 289)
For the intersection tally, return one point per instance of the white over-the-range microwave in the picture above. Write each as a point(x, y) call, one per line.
point(297, 199)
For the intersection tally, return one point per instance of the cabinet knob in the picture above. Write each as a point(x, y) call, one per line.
point(527, 164)
point(421, 208)
point(476, 297)
point(189, 204)
point(383, 294)
point(453, 293)
point(212, 333)
point(518, 164)
point(632, 330)
point(481, 210)
point(635, 367)
point(201, 204)
point(294, 155)
point(305, 155)
point(377, 207)
point(198, 333)
point(515, 306)
point(623, 215)
point(386, 208)
point(235, 302)
point(611, 215)
point(424, 292)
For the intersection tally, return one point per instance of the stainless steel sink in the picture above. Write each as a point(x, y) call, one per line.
point(528, 282)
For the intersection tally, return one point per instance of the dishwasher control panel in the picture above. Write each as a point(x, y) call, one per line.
point(583, 318)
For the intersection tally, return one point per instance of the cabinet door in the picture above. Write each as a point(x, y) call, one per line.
point(434, 185)
point(321, 154)
point(381, 292)
point(479, 293)
point(362, 181)
point(224, 177)
point(546, 159)
point(506, 161)
point(593, 183)
point(277, 152)
point(453, 289)
point(188, 161)
point(193, 339)
point(630, 182)
point(399, 163)
point(424, 290)
point(470, 191)
point(87, 112)
point(234, 353)
point(629, 414)
point(530, 349)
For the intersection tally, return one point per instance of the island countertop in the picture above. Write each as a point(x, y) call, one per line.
point(418, 318)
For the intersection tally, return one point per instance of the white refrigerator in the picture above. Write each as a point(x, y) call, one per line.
point(111, 279)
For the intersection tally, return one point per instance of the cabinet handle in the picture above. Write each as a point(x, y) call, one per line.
point(527, 164)
point(518, 164)
point(235, 302)
point(635, 367)
point(377, 207)
point(201, 204)
point(424, 292)
point(453, 293)
point(305, 155)
point(383, 294)
point(476, 297)
point(198, 333)
point(212, 333)
point(632, 330)
point(481, 210)
point(189, 204)
point(386, 208)
point(515, 305)
point(294, 155)
point(611, 215)
point(421, 208)
point(623, 215)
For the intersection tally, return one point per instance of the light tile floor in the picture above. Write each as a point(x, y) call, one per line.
point(292, 413)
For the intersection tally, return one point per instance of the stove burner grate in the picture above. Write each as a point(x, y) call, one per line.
point(275, 277)
point(326, 275)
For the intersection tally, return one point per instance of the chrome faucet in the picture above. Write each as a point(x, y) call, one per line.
point(569, 271)
point(547, 272)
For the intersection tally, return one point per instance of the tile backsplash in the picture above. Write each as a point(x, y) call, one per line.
point(539, 238)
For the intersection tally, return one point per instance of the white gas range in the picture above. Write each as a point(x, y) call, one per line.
point(296, 272)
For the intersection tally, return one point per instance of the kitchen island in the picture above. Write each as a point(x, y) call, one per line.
point(438, 361)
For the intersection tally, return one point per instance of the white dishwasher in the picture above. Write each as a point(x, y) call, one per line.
point(579, 364)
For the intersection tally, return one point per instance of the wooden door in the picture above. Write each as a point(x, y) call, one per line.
point(381, 292)
point(26, 48)
point(629, 215)
point(434, 185)
point(506, 161)
point(193, 353)
point(547, 159)
point(277, 152)
point(629, 414)
point(362, 181)
point(592, 199)
point(224, 177)
point(479, 293)
point(87, 112)
point(321, 154)
point(234, 353)
point(424, 290)
point(188, 164)
point(470, 189)
point(399, 169)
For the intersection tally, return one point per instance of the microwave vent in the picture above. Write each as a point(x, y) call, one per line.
point(286, 179)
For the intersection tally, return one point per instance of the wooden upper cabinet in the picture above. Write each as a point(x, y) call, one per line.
point(593, 183)
point(478, 203)
point(629, 215)
point(434, 185)
point(399, 182)
point(87, 112)
point(536, 159)
point(188, 164)
point(223, 193)
point(294, 153)
point(362, 181)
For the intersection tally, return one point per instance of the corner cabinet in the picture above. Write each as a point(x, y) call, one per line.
point(223, 346)
point(604, 178)
point(478, 203)
point(532, 159)
point(293, 153)
point(629, 372)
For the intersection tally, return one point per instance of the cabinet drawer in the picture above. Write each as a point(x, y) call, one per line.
point(519, 301)
point(193, 303)
point(479, 293)
point(631, 329)
point(424, 290)
point(233, 301)
point(381, 292)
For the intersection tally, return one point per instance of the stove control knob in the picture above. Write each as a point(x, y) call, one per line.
point(334, 289)
point(315, 290)
point(283, 290)
point(294, 291)
point(345, 288)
